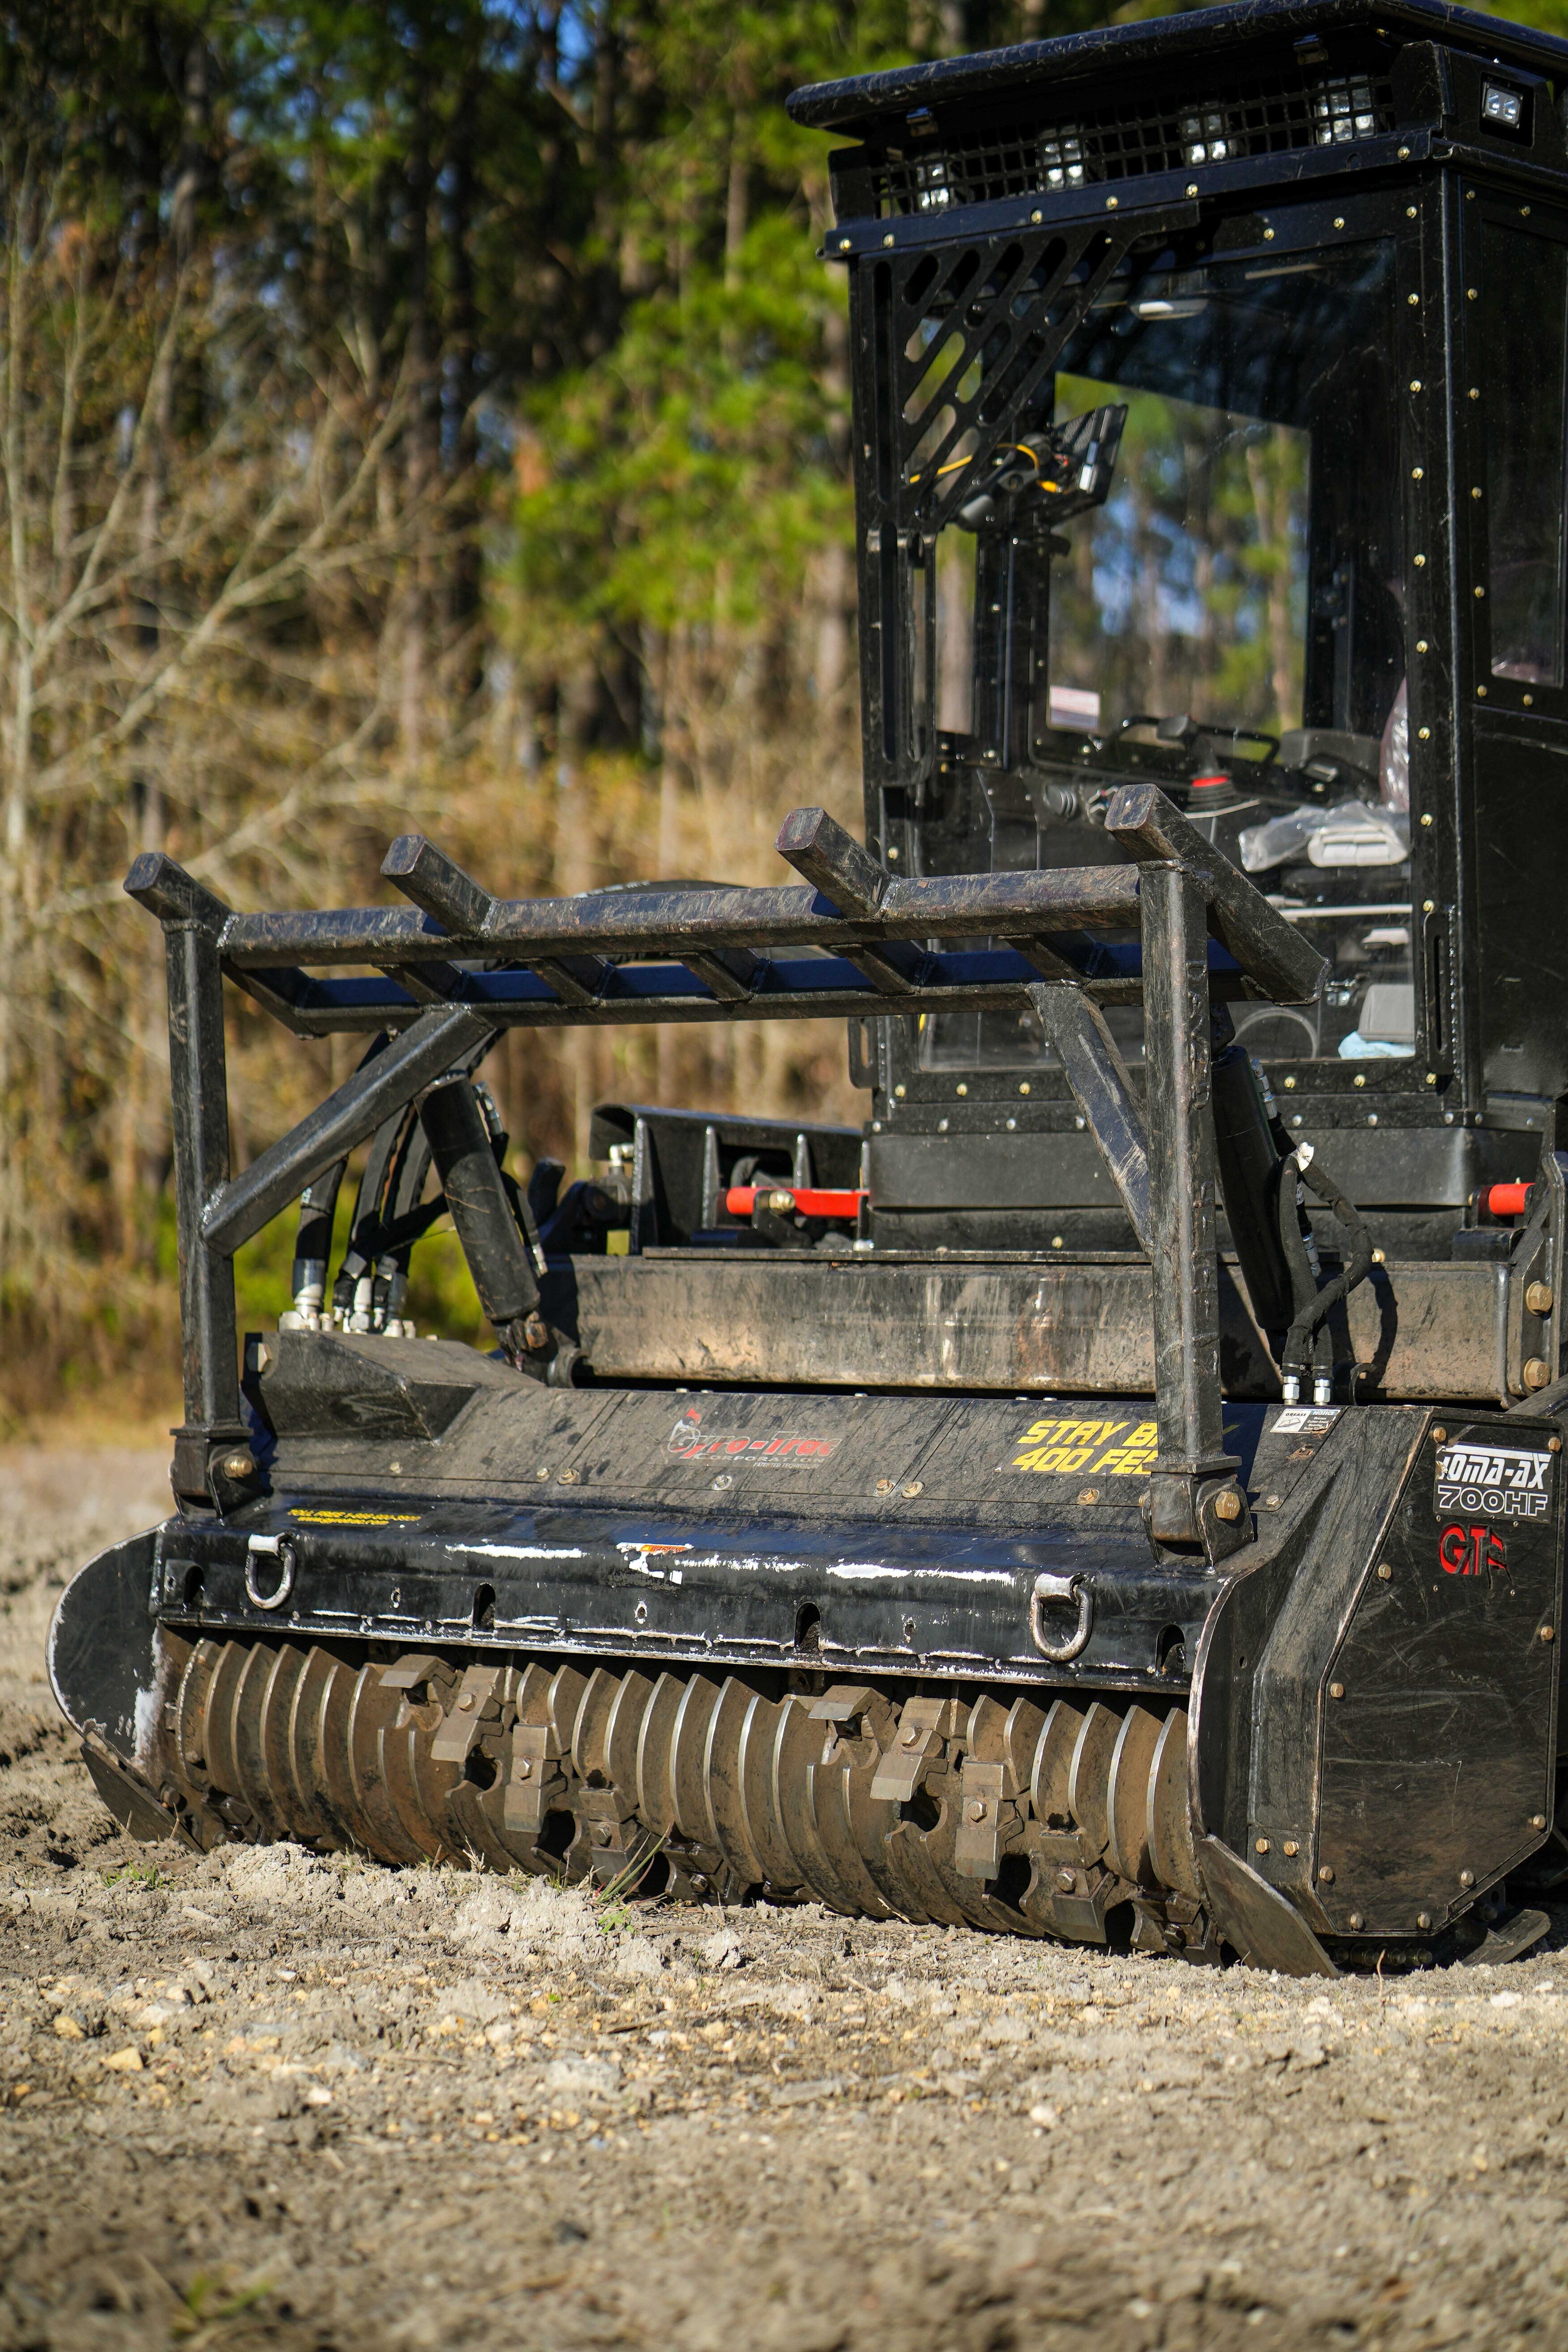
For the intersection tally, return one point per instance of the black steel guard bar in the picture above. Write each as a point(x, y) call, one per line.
point(1204, 931)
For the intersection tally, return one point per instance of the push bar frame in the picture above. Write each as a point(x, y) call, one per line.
point(455, 969)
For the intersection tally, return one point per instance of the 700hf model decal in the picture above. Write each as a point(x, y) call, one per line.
point(1507, 1482)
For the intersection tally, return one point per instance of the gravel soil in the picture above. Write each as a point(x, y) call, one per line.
point(265, 2098)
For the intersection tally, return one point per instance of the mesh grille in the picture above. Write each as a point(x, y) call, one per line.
point(1262, 117)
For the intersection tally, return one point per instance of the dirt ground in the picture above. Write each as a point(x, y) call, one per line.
point(268, 2099)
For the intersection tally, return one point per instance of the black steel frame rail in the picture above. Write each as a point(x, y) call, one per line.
point(461, 966)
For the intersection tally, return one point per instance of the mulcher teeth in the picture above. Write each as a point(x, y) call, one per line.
point(980, 1808)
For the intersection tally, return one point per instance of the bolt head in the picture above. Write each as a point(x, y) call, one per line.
point(1385, 1572)
point(1357, 1920)
point(1065, 1882)
point(1538, 1820)
point(1438, 1435)
point(1260, 1845)
point(976, 1808)
point(911, 1735)
point(699, 1883)
point(1227, 1505)
point(466, 1701)
point(1537, 1372)
point(1336, 1690)
point(603, 1832)
point(1467, 1877)
point(1292, 1849)
point(239, 1465)
point(1548, 1632)
point(1325, 1874)
point(1423, 1920)
point(525, 1769)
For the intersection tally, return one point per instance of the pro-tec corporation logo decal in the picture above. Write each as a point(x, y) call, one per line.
point(1507, 1482)
point(690, 1441)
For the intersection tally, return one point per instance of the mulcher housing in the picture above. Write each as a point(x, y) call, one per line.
point(1116, 1494)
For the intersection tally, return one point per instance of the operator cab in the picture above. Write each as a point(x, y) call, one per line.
point(1209, 382)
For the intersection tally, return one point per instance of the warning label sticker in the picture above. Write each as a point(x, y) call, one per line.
point(1507, 1482)
point(1305, 1420)
point(1122, 1449)
point(357, 1518)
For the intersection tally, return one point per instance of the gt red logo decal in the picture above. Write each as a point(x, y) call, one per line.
point(1471, 1551)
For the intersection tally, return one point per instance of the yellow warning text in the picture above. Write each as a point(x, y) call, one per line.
point(1123, 1449)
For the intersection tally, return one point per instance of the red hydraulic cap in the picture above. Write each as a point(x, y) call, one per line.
point(741, 1199)
point(1506, 1200)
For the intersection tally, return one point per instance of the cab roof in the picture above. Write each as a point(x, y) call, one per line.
point(873, 106)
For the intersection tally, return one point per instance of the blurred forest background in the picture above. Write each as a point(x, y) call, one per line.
point(411, 415)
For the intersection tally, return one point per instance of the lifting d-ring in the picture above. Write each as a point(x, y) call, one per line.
point(281, 1550)
point(1050, 1586)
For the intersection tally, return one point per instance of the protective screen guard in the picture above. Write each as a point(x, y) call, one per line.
point(964, 343)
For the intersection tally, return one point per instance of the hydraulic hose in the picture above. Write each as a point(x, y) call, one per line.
point(1309, 1332)
point(493, 1239)
point(1250, 1181)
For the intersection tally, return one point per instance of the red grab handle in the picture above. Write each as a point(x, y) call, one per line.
point(1506, 1200)
point(812, 1201)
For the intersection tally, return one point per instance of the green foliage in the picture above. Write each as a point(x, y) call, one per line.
point(693, 473)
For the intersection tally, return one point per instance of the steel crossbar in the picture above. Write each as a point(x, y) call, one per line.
point(451, 971)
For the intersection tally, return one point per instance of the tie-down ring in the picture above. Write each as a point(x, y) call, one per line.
point(1051, 1587)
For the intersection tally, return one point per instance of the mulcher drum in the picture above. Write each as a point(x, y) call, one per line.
point(875, 1727)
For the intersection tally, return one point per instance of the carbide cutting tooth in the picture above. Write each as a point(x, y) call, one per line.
point(916, 1752)
point(623, 1729)
point(191, 1717)
point(797, 1744)
point(1020, 1739)
point(328, 1730)
point(721, 1781)
point(655, 1788)
point(687, 1749)
point(764, 1833)
point(263, 1790)
point(369, 1710)
point(417, 1785)
point(272, 1738)
point(217, 1734)
point(591, 1729)
point(1051, 1773)
point(1127, 1809)
point(566, 1689)
point(1170, 1814)
point(257, 1660)
point(304, 1700)
point(475, 1829)
point(872, 1821)
point(907, 1846)
point(830, 1816)
point(1089, 1777)
point(851, 1826)
point(978, 1908)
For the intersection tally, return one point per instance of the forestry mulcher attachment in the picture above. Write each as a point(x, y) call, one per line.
point(1116, 1494)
